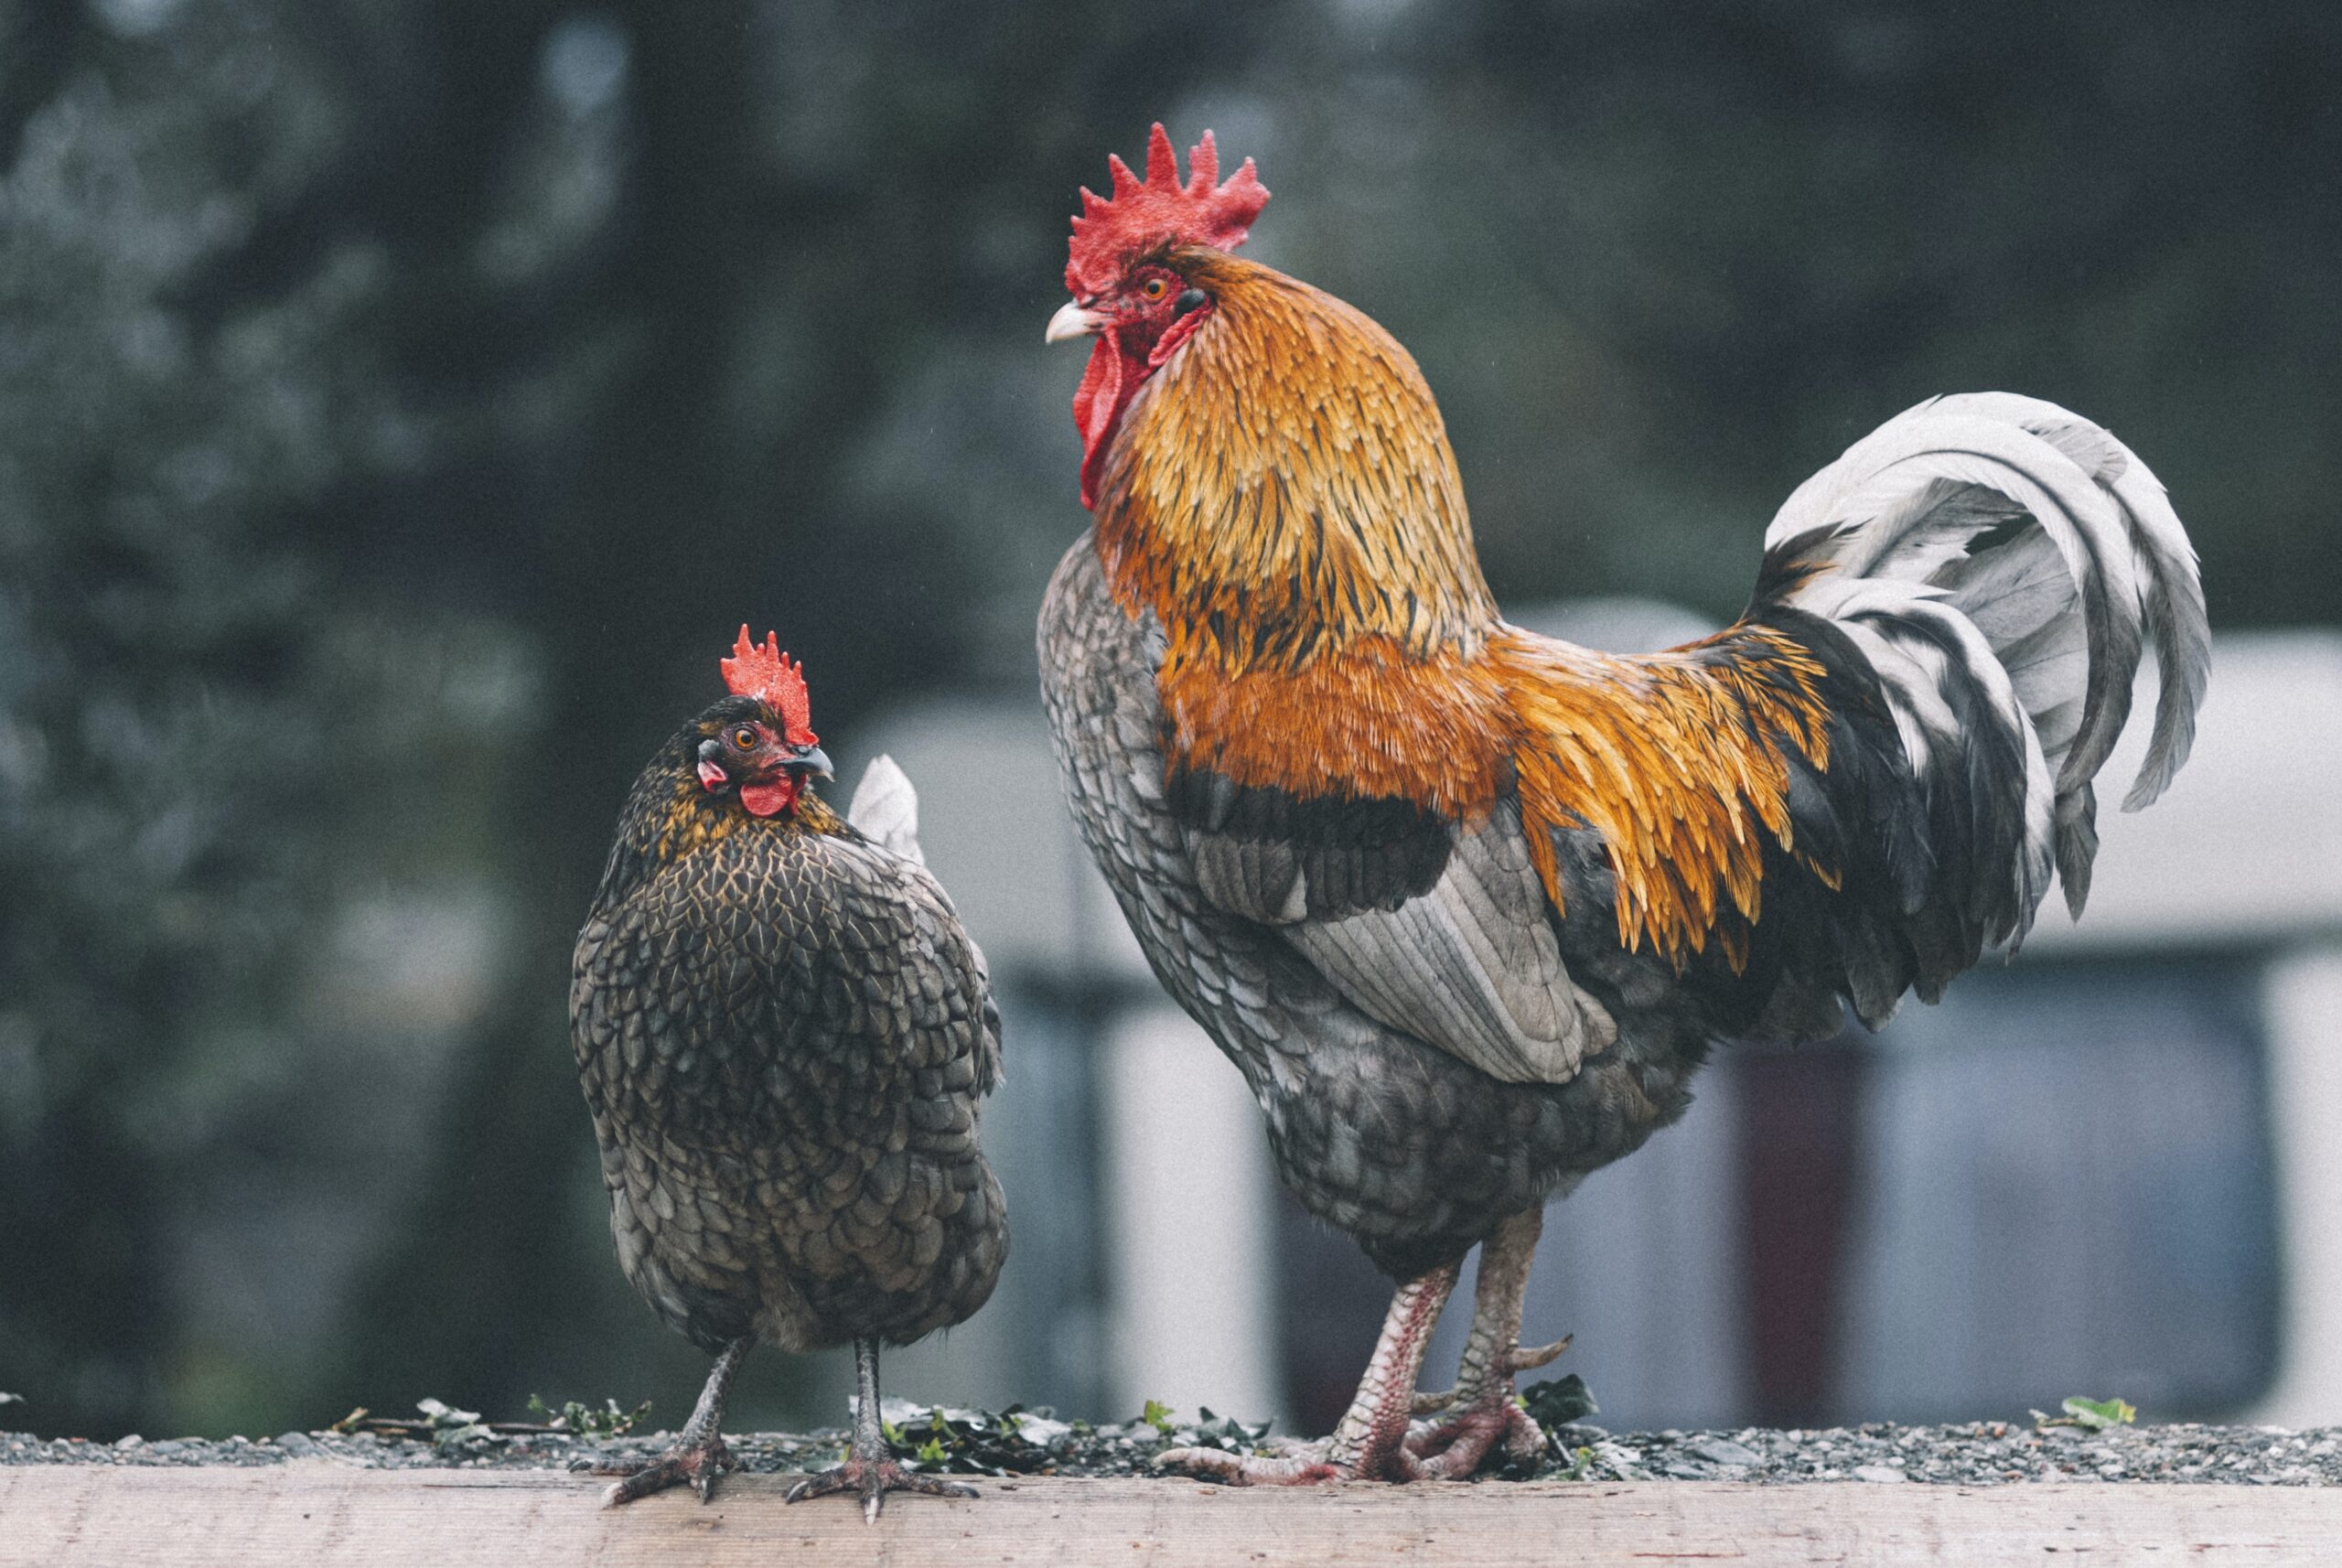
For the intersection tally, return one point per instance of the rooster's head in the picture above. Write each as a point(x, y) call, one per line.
point(759, 744)
point(1129, 290)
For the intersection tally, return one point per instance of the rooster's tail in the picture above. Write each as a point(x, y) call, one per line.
point(1997, 561)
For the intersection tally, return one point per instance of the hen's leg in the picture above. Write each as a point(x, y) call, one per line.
point(870, 1467)
point(1485, 1415)
point(1370, 1442)
point(698, 1455)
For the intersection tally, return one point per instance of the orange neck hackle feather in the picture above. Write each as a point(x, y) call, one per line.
point(1282, 497)
point(1290, 458)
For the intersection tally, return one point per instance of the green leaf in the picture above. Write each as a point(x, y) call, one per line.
point(2090, 1415)
point(2096, 1415)
point(931, 1451)
point(1158, 1416)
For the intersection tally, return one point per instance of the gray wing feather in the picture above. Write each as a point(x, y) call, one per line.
point(1472, 966)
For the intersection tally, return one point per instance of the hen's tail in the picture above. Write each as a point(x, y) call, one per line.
point(1998, 561)
point(886, 808)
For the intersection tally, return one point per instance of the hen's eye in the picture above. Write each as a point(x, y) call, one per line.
point(745, 739)
point(1154, 288)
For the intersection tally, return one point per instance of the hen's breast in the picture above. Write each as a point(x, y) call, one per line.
point(783, 1037)
point(1409, 1150)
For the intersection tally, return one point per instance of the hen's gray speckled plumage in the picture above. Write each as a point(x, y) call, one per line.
point(783, 1034)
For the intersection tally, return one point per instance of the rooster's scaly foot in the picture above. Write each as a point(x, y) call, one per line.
point(1293, 1465)
point(1454, 1449)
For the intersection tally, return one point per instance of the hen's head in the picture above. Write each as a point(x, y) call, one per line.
point(757, 745)
point(1129, 289)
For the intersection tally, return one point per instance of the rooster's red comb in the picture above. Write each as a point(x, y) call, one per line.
point(1143, 214)
point(771, 676)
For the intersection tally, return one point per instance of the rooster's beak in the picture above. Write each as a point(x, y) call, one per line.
point(813, 760)
point(1072, 321)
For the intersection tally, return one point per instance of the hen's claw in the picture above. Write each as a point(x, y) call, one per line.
point(699, 1463)
point(873, 1479)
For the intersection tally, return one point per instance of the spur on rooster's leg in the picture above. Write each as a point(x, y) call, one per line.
point(1468, 907)
point(784, 1036)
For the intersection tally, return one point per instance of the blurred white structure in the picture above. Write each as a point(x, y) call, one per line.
point(2245, 853)
point(1145, 1224)
point(1157, 1195)
point(1189, 1236)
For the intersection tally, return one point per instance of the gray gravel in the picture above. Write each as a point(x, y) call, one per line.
point(1985, 1454)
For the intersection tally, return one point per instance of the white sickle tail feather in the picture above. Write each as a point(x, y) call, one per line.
point(2000, 559)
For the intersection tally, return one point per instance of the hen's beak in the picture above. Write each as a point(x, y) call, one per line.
point(813, 760)
point(1072, 321)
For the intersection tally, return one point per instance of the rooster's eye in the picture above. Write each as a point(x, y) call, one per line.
point(745, 739)
point(1154, 288)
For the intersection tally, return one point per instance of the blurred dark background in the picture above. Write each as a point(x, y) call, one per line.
point(401, 404)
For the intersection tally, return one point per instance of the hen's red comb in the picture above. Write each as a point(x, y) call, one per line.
point(771, 676)
point(1143, 214)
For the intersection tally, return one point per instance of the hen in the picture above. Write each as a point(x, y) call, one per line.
point(1466, 905)
point(783, 1034)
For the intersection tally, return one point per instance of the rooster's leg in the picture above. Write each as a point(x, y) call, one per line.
point(870, 1468)
point(698, 1454)
point(1370, 1442)
point(1485, 1415)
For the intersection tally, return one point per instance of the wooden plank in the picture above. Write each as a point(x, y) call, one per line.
point(317, 1512)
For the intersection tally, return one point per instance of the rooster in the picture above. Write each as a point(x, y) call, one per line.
point(1467, 907)
point(783, 1034)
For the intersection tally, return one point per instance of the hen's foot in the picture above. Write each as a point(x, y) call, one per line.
point(696, 1462)
point(698, 1455)
point(873, 1478)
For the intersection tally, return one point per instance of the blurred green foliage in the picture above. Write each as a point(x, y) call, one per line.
point(401, 403)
